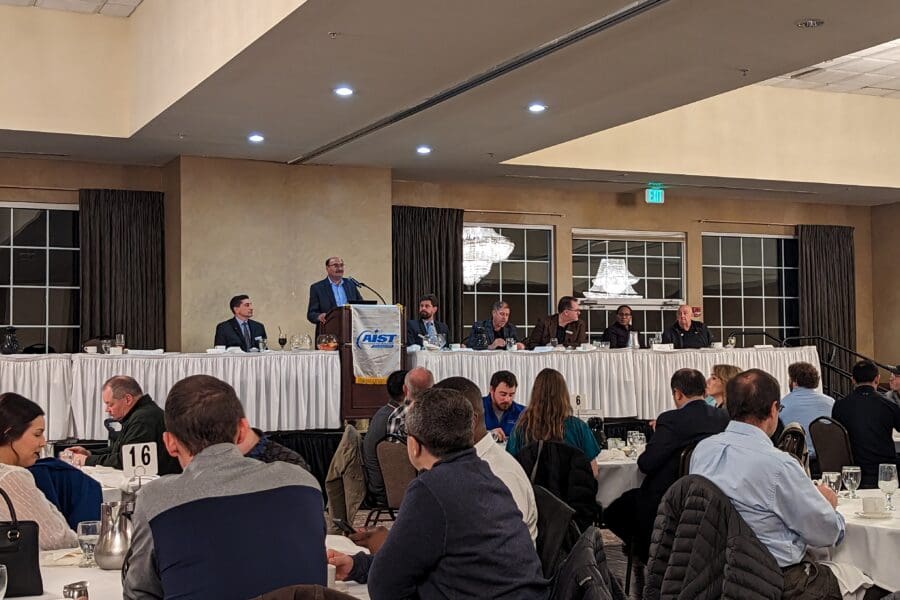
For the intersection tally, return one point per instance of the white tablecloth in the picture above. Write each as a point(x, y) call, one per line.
point(615, 477)
point(279, 390)
point(46, 379)
point(618, 383)
point(871, 545)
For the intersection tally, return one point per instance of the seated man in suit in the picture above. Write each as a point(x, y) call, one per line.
point(685, 332)
point(331, 292)
point(241, 330)
point(631, 515)
point(618, 333)
point(142, 421)
point(564, 326)
point(426, 325)
point(496, 330)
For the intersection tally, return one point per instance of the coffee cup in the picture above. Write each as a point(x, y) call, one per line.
point(873, 505)
point(455, 346)
point(90, 349)
point(115, 350)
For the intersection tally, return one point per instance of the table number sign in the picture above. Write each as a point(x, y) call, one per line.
point(139, 459)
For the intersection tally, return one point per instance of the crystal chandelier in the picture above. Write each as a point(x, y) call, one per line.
point(482, 247)
point(613, 280)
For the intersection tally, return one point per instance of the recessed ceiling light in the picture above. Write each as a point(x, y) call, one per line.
point(256, 138)
point(537, 107)
point(343, 91)
point(809, 23)
point(423, 150)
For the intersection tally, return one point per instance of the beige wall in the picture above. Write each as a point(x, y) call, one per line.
point(582, 209)
point(265, 229)
point(885, 287)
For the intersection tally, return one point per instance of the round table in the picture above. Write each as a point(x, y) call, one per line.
point(615, 477)
point(869, 544)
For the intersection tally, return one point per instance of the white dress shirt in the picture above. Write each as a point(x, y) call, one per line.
point(510, 472)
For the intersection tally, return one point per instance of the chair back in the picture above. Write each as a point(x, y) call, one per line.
point(396, 471)
point(684, 463)
point(557, 532)
point(832, 443)
point(793, 441)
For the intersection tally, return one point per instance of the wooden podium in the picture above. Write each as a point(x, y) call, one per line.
point(358, 401)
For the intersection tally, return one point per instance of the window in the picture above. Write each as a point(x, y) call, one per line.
point(751, 282)
point(523, 280)
point(656, 260)
point(39, 275)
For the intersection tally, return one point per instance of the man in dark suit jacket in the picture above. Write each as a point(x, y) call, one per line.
point(870, 420)
point(428, 307)
point(331, 292)
point(241, 330)
point(631, 516)
point(564, 326)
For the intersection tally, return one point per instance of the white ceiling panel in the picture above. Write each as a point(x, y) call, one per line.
point(110, 8)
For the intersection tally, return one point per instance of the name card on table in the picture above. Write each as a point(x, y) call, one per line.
point(139, 459)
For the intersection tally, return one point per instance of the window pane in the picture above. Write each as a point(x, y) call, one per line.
point(594, 265)
point(4, 266)
point(636, 266)
point(580, 267)
point(640, 288)
point(791, 253)
point(792, 313)
point(64, 268)
point(654, 288)
point(29, 227)
point(773, 312)
point(4, 226)
point(517, 237)
point(672, 267)
point(672, 288)
point(710, 250)
point(791, 285)
point(654, 267)
point(580, 286)
point(4, 306)
point(513, 276)
point(29, 306)
point(653, 320)
point(731, 312)
point(483, 306)
point(639, 319)
point(537, 308)
point(468, 313)
point(712, 311)
point(490, 283)
point(771, 252)
point(672, 249)
point(654, 248)
point(29, 267)
point(64, 307)
point(65, 340)
point(580, 246)
point(598, 247)
point(616, 248)
point(64, 228)
point(538, 277)
point(29, 336)
point(711, 284)
point(731, 282)
point(636, 248)
point(753, 313)
point(752, 251)
point(517, 315)
point(753, 282)
point(731, 251)
point(771, 282)
point(538, 244)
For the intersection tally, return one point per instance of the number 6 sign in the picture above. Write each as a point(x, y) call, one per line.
point(139, 459)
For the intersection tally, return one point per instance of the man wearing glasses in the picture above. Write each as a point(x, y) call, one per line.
point(331, 292)
point(564, 326)
point(618, 333)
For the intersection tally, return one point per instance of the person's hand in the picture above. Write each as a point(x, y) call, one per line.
point(497, 343)
point(78, 460)
point(322, 318)
point(653, 424)
point(498, 434)
point(829, 494)
point(520, 346)
point(371, 539)
point(79, 450)
point(342, 564)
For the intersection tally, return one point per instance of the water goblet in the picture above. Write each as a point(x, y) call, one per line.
point(852, 477)
point(887, 482)
point(833, 480)
point(732, 341)
point(88, 534)
point(295, 343)
point(120, 340)
point(282, 339)
point(510, 343)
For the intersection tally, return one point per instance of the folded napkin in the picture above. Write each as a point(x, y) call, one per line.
point(611, 454)
point(67, 557)
point(343, 544)
point(146, 352)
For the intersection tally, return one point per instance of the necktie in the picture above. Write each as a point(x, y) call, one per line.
point(429, 328)
point(245, 328)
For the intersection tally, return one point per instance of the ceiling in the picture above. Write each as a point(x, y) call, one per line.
point(873, 71)
point(109, 8)
point(399, 54)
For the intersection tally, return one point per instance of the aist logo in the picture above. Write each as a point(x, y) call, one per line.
point(375, 340)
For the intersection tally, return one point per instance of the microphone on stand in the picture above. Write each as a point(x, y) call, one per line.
point(363, 285)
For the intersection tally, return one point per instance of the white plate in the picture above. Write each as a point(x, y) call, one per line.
point(873, 515)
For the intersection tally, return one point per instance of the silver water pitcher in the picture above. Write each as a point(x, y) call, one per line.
point(115, 535)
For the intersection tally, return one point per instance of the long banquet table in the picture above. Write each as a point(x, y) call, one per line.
point(279, 390)
point(617, 383)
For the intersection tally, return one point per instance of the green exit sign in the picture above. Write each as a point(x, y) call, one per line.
point(655, 194)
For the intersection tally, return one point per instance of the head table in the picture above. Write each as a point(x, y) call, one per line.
point(279, 390)
point(616, 383)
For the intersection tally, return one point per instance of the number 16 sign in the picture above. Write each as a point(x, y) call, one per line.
point(139, 459)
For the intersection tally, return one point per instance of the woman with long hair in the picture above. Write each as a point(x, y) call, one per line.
point(548, 417)
point(21, 441)
point(717, 382)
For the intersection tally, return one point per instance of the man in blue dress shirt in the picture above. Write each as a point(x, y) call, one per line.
point(805, 404)
point(769, 488)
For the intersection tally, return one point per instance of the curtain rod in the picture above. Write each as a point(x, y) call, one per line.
point(515, 212)
point(37, 187)
point(747, 223)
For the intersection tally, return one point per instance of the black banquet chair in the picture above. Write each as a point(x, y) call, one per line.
point(832, 444)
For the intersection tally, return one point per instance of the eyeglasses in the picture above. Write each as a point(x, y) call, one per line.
point(336, 264)
point(624, 314)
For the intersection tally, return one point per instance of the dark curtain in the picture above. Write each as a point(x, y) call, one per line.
point(122, 262)
point(828, 293)
point(427, 258)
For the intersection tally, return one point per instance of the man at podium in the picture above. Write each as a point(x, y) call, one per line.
point(331, 292)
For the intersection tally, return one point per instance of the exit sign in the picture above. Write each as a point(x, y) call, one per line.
point(654, 194)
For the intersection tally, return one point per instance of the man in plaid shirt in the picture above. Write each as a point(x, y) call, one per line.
point(417, 381)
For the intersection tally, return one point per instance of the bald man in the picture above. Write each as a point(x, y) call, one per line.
point(687, 333)
point(414, 385)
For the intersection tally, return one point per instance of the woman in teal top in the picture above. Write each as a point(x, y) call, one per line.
point(548, 417)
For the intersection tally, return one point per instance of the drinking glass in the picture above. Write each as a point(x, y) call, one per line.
point(510, 343)
point(120, 340)
point(104, 346)
point(833, 480)
point(852, 477)
point(282, 340)
point(295, 342)
point(640, 441)
point(3, 580)
point(887, 482)
point(656, 339)
point(88, 534)
point(732, 341)
point(604, 345)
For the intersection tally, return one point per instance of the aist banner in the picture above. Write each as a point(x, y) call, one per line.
point(376, 342)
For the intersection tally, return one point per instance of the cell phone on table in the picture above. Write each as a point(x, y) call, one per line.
point(343, 526)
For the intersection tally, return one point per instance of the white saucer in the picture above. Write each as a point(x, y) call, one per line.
point(874, 515)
